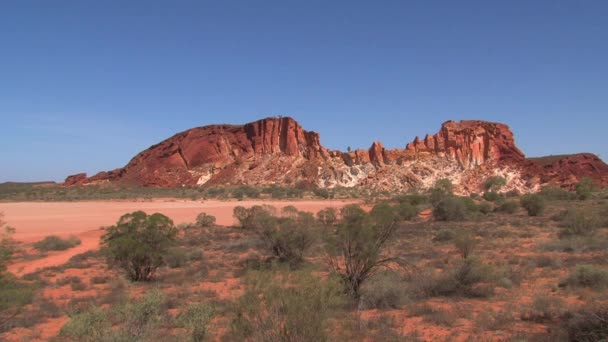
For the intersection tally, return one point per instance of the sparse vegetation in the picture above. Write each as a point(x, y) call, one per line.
point(534, 204)
point(56, 243)
point(205, 220)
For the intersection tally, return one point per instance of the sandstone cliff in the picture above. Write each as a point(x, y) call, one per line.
point(280, 151)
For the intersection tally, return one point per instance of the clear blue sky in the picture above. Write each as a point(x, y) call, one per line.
point(85, 85)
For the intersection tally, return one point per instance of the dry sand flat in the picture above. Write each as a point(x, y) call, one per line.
point(35, 220)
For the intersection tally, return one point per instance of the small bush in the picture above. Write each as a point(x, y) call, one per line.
point(577, 223)
point(205, 220)
point(534, 204)
point(494, 184)
point(465, 243)
point(589, 324)
point(585, 188)
point(383, 291)
point(406, 211)
point(492, 196)
point(55, 243)
point(544, 309)
point(470, 278)
point(451, 209)
point(508, 207)
point(195, 320)
point(485, 208)
point(587, 276)
point(553, 193)
point(99, 280)
point(444, 235)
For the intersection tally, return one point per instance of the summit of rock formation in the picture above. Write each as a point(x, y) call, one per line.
point(279, 151)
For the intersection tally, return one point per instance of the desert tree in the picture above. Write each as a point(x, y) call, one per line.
point(355, 251)
point(139, 242)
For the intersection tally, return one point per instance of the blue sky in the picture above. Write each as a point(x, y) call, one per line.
point(85, 85)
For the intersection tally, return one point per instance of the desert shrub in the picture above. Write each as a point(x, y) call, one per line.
point(587, 276)
point(354, 252)
point(92, 325)
point(492, 196)
point(576, 223)
point(443, 189)
point(534, 204)
point(284, 307)
point(589, 324)
point(245, 191)
point(55, 243)
point(465, 243)
point(413, 199)
point(195, 320)
point(205, 220)
point(544, 309)
point(384, 291)
point(14, 295)
point(485, 208)
point(176, 257)
point(469, 278)
point(321, 192)
point(508, 207)
point(451, 209)
point(406, 211)
point(7, 245)
point(133, 320)
point(444, 235)
point(585, 188)
point(138, 243)
point(327, 217)
point(494, 184)
point(286, 237)
point(99, 280)
point(553, 193)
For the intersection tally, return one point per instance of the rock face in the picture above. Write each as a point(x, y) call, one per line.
point(471, 143)
point(279, 151)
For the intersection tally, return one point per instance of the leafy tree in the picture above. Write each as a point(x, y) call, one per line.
point(139, 242)
point(327, 216)
point(355, 251)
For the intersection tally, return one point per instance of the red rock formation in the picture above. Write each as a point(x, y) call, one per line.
point(280, 151)
point(471, 143)
point(77, 179)
point(567, 170)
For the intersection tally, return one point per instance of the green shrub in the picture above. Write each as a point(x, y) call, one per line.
point(485, 208)
point(444, 235)
point(465, 242)
point(138, 243)
point(576, 223)
point(451, 209)
point(553, 193)
point(443, 189)
point(383, 291)
point(587, 276)
point(205, 220)
point(14, 295)
point(534, 204)
point(494, 184)
point(585, 188)
point(327, 217)
point(492, 196)
point(406, 211)
point(508, 207)
point(469, 278)
point(285, 307)
point(195, 320)
point(55, 243)
point(589, 324)
point(92, 325)
point(413, 199)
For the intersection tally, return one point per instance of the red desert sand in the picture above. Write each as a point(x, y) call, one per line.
point(35, 220)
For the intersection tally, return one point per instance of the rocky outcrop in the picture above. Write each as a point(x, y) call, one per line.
point(567, 170)
point(279, 151)
point(471, 143)
point(77, 179)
